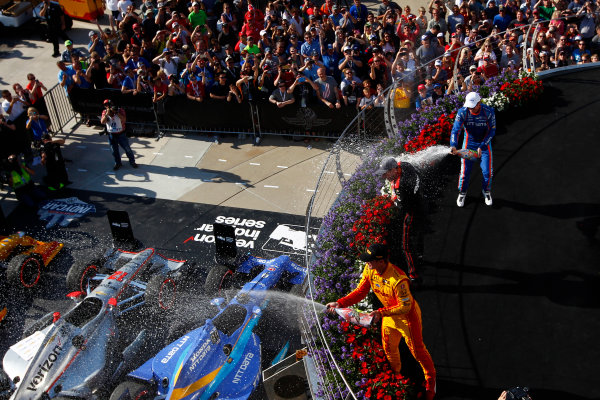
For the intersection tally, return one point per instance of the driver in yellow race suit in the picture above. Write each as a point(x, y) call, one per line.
point(400, 315)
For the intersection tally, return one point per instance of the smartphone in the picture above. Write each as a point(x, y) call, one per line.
point(301, 79)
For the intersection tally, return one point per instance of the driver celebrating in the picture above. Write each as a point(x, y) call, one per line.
point(479, 123)
point(400, 315)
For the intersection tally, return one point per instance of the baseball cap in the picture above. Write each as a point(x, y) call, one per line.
point(500, 7)
point(91, 33)
point(228, 58)
point(267, 50)
point(438, 62)
point(263, 32)
point(472, 99)
point(440, 34)
point(453, 35)
point(127, 68)
point(372, 37)
point(376, 251)
point(135, 26)
point(68, 43)
point(311, 16)
point(175, 24)
point(437, 86)
point(421, 87)
point(107, 102)
point(386, 164)
point(281, 83)
point(376, 49)
point(424, 37)
point(140, 64)
point(472, 68)
point(149, 11)
point(329, 46)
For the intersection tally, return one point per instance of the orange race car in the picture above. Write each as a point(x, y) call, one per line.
point(24, 258)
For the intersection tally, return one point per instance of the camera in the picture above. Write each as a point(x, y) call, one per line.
point(518, 393)
point(301, 79)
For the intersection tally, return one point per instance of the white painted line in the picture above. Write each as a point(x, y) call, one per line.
point(347, 174)
point(270, 186)
point(189, 156)
point(220, 159)
point(158, 154)
point(81, 147)
point(253, 163)
point(329, 172)
point(81, 170)
point(282, 166)
point(310, 190)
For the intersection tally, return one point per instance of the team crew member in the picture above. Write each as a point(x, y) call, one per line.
point(404, 184)
point(479, 123)
point(114, 118)
point(19, 178)
point(400, 315)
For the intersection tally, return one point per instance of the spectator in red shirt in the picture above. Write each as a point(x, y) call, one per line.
point(195, 89)
point(488, 68)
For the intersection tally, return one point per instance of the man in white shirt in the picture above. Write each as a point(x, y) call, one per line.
point(167, 62)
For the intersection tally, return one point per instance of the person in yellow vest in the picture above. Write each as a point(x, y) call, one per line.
point(400, 315)
point(19, 177)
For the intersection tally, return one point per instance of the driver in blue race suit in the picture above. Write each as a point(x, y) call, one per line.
point(479, 123)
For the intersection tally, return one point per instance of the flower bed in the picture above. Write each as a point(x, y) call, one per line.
point(360, 216)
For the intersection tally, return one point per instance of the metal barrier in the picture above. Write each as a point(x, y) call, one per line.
point(58, 107)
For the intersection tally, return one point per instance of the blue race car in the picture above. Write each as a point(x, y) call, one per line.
point(221, 359)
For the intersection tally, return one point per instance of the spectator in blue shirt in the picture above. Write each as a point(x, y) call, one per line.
point(359, 15)
point(309, 46)
point(129, 84)
point(70, 50)
point(336, 17)
point(96, 44)
point(331, 60)
point(502, 20)
point(65, 76)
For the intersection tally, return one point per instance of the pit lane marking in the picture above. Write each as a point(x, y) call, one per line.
point(282, 166)
point(253, 163)
point(272, 187)
point(329, 172)
point(189, 156)
point(310, 190)
point(220, 159)
point(158, 154)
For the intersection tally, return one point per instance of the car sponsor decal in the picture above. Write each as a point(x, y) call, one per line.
point(44, 368)
point(242, 369)
point(63, 211)
point(175, 349)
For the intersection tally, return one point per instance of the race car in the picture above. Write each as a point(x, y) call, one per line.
point(221, 359)
point(24, 258)
point(84, 353)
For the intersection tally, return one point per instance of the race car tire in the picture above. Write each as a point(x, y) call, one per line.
point(25, 270)
point(161, 293)
point(133, 390)
point(219, 279)
point(39, 324)
point(79, 274)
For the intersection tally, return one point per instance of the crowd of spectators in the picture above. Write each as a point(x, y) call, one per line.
point(288, 51)
point(330, 53)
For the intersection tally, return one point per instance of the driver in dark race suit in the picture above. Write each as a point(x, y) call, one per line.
point(479, 123)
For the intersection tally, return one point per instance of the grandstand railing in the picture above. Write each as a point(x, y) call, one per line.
point(343, 160)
